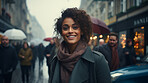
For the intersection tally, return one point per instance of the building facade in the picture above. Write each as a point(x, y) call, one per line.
point(128, 18)
point(132, 22)
point(15, 14)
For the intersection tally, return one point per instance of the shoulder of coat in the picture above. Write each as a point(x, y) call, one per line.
point(97, 53)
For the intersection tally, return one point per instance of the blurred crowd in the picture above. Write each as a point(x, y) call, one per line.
point(12, 53)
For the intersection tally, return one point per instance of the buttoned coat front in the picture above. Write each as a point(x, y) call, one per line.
point(91, 68)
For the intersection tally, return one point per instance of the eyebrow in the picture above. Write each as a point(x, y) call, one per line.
point(68, 25)
point(65, 25)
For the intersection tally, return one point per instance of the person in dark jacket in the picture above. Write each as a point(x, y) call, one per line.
point(50, 52)
point(75, 62)
point(129, 52)
point(112, 52)
point(8, 60)
point(35, 54)
point(41, 49)
point(17, 46)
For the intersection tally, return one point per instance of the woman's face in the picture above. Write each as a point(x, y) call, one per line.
point(71, 31)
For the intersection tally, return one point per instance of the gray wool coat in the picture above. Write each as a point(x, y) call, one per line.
point(91, 68)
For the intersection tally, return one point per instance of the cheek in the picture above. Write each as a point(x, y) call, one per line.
point(63, 33)
point(79, 32)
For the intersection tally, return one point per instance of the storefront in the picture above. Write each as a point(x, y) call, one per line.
point(134, 28)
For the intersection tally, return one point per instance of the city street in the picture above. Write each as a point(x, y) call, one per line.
point(35, 77)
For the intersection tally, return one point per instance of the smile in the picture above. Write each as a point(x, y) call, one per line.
point(71, 37)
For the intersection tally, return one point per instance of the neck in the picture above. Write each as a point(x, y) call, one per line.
point(72, 47)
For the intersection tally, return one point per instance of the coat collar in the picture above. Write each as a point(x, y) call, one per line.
point(88, 55)
point(81, 70)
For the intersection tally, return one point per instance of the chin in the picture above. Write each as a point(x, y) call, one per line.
point(72, 42)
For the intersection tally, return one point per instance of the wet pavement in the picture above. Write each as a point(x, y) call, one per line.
point(38, 76)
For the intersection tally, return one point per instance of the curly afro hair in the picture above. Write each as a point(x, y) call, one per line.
point(80, 17)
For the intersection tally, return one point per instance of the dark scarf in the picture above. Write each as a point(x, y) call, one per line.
point(68, 61)
point(115, 58)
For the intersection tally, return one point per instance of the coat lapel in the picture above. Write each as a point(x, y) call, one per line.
point(80, 73)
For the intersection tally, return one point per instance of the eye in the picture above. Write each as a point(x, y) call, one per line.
point(75, 27)
point(65, 28)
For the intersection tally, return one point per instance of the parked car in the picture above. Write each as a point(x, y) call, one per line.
point(133, 74)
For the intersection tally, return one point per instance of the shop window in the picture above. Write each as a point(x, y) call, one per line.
point(139, 41)
point(122, 38)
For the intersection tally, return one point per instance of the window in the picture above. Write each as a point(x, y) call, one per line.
point(138, 2)
point(110, 9)
point(123, 6)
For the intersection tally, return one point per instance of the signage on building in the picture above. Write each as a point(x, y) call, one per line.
point(111, 20)
point(141, 21)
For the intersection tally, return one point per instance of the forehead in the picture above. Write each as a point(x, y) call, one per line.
point(68, 21)
point(113, 37)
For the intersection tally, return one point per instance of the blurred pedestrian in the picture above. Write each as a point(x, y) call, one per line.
point(8, 60)
point(17, 47)
point(112, 52)
point(101, 42)
point(35, 54)
point(75, 62)
point(41, 49)
point(90, 44)
point(129, 52)
point(50, 52)
point(25, 55)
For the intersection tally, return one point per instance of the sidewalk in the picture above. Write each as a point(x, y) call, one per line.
point(35, 77)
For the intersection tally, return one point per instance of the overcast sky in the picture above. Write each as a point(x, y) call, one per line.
point(46, 11)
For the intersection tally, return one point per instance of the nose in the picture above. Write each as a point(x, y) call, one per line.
point(70, 30)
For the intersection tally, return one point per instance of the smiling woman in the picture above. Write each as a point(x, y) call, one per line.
point(75, 62)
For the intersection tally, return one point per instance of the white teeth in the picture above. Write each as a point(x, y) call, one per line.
point(71, 36)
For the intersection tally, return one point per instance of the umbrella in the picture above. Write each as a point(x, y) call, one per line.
point(15, 34)
point(99, 27)
point(47, 39)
